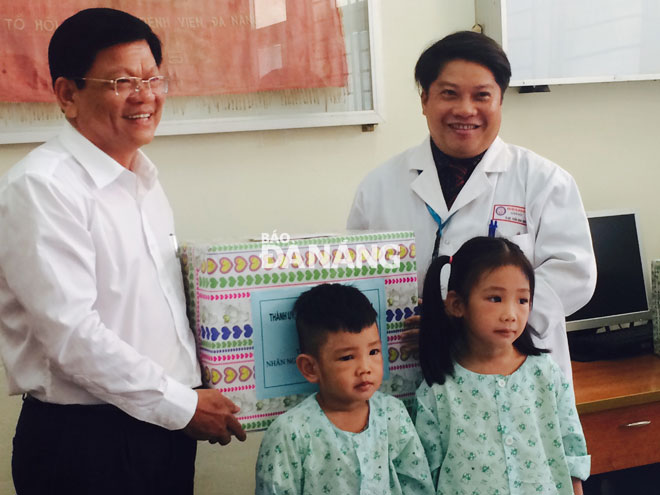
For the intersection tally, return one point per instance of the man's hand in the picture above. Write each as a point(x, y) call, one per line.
point(410, 335)
point(214, 418)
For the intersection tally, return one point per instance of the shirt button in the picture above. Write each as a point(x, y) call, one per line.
point(501, 382)
point(447, 242)
point(508, 441)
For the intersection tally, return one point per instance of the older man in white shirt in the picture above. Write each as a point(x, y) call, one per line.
point(93, 329)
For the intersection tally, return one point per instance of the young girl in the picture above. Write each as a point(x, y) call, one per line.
point(495, 414)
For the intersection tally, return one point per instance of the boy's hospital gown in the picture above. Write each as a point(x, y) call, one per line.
point(498, 435)
point(304, 453)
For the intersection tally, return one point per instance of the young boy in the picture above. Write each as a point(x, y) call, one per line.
point(348, 438)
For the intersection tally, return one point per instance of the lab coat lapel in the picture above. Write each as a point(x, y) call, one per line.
point(427, 185)
point(484, 177)
point(476, 185)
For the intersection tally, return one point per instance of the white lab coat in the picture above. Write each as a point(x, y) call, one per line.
point(535, 202)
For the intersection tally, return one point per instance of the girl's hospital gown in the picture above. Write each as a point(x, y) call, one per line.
point(497, 435)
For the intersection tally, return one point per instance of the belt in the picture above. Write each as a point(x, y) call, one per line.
point(90, 407)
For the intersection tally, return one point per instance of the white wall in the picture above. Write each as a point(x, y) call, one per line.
point(605, 135)
point(242, 184)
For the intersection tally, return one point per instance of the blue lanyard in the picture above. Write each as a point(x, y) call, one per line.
point(492, 229)
point(438, 234)
point(441, 224)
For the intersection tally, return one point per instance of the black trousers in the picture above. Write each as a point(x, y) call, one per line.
point(97, 450)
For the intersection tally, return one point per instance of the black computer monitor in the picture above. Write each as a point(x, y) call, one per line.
point(621, 288)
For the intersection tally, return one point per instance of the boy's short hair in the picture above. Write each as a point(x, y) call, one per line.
point(329, 308)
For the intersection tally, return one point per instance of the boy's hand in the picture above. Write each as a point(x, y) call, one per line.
point(214, 419)
point(577, 486)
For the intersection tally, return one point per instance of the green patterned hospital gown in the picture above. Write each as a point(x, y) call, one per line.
point(496, 435)
point(304, 453)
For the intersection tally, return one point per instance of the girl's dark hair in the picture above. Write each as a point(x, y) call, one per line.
point(442, 336)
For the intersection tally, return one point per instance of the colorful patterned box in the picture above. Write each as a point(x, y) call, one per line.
point(655, 304)
point(222, 279)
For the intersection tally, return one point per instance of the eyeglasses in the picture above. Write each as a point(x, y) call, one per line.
point(126, 85)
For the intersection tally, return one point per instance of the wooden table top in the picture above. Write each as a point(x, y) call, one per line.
point(603, 385)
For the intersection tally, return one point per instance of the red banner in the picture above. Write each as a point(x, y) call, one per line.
point(210, 46)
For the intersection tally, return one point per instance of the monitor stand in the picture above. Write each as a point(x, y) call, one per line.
point(594, 345)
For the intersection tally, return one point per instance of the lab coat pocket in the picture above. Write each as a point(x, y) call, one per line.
point(526, 243)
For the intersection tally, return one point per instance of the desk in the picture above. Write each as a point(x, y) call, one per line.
point(619, 406)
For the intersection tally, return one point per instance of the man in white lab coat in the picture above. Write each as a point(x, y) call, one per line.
point(463, 181)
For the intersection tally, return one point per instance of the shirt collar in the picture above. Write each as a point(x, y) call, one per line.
point(421, 158)
point(442, 159)
point(100, 166)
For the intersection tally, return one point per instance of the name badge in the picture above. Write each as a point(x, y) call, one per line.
point(510, 213)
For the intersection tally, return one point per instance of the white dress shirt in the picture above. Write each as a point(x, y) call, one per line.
point(92, 306)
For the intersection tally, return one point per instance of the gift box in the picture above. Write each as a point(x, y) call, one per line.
point(655, 304)
point(240, 296)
